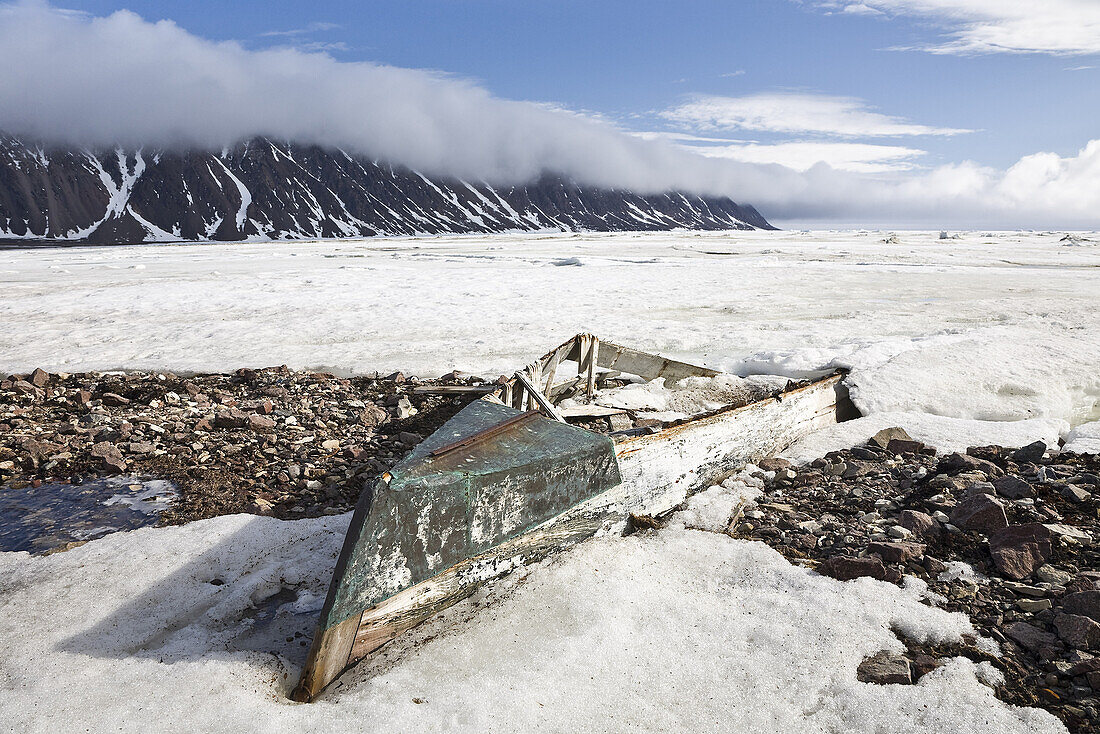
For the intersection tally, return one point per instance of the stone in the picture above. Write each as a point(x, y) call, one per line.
point(1018, 550)
point(1086, 603)
point(372, 416)
point(884, 668)
point(24, 387)
point(1077, 631)
point(897, 531)
point(1031, 637)
point(1033, 605)
point(261, 424)
point(883, 438)
point(1012, 487)
point(409, 439)
point(330, 445)
point(896, 552)
point(114, 400)
point(1031, 454)
point(140, 447)
point(774, 463)
point(856, 469)
point(1053, 575)
point(955, 463)
point(917, 522)
point(404, 409)
point(260, 506)
point(980, 512)
point(1073, 493)
point(976, 488)
point(109, 456)
point(231, 418)
point(1069, 532)
point(204, 424)
point(904, 446)
point(40, 378)
point(846, 568)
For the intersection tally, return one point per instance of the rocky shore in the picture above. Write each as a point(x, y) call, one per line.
point(272, 441)
point(1003, 536)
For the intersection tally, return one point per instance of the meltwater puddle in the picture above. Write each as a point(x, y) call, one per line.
point(40, 519)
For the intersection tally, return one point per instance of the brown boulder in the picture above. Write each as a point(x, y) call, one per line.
point(1018, 550)
point(1077, 631)
point(979, 512)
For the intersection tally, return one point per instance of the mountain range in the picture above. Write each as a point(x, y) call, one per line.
point(267, 189)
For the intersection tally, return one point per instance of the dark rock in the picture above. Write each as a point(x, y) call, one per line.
point(1031, 454)
point(846, 568)
point(919, 523)
point(1086, 603)
point(1077, 631)
point(231, 418)
point(903, 446)
point(859, 469)
point(114, 400)
point(883, 438)
point(955, 463)
point(923, 664)
point(1012, 487)
point(1018, 550)
point(109, 455)
point(1073, 493)
point(981, 513)
point(883, 668)
point(261, 424)
point(409, 439)
point(24, 387)
point(40, 378)
point(897, 552)
point(1031, 637)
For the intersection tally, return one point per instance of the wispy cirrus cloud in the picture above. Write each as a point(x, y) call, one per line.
point(804, 155)
point(315, 27)
point(995, 26)
point(783, 112)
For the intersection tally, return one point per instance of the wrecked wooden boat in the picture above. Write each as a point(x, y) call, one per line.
point(509, 480)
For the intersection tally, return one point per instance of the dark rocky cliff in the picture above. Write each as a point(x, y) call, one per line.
point(265, 189)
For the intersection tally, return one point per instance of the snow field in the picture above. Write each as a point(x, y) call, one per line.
point(669, 631)
point(991, 328)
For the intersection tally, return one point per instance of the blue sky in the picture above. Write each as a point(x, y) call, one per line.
point(982, 112)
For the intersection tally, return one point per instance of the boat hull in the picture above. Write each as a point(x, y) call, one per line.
point(658, 472)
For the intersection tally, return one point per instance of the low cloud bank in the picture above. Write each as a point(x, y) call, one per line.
point(119, 79)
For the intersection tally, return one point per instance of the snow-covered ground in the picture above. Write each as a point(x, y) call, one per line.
point(987, 338)
point(676, 631)
point(992, 327)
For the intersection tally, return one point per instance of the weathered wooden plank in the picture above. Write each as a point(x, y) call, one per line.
point(538, 398)
point(551, 370)
point(589, 411)
point(593, 360)
point(455, 389)
point(329, 655)
point(643, 364)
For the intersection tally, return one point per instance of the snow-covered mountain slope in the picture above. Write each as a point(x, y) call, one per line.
point(266, 189)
